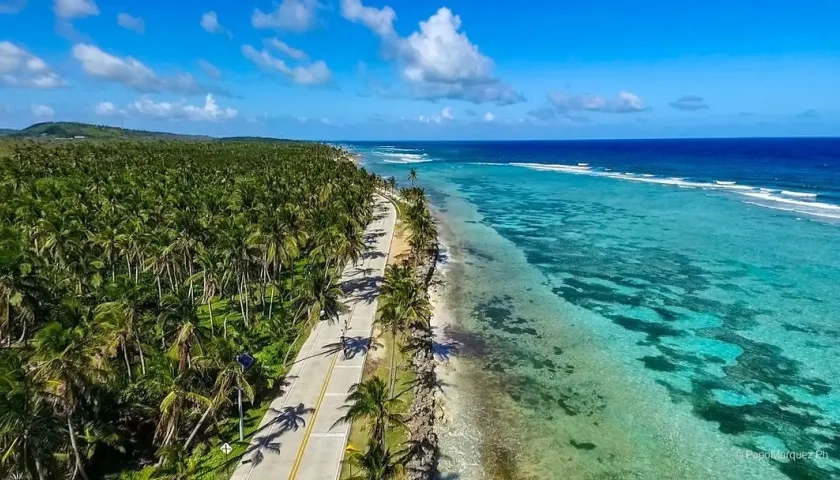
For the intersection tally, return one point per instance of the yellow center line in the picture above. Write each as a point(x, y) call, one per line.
point(308, 432)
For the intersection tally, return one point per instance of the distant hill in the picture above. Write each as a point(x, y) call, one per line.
point(56, 130)
point(75, 129)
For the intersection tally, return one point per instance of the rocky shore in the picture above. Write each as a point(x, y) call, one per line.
point(424, 452)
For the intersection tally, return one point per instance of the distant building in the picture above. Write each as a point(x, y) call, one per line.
point(79, 137)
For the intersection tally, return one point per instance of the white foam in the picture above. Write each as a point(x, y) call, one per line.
point(798, 194)
point(407, 160)
point(801, 200)
point(553, 168)
point(404, 157)
point(807, 212)
point(772, 198)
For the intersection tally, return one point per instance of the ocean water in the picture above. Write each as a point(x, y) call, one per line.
point(641, 309)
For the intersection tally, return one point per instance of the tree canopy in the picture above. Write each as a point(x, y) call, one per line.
point(132, 274)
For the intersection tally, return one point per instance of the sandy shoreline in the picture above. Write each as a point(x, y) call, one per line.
point(458, 432)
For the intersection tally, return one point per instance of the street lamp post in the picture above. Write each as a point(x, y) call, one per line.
point(244, 360)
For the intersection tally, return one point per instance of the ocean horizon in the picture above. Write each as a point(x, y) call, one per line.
point(663, 308)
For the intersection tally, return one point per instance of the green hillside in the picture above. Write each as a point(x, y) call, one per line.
point(55, 130)
point(74, 129)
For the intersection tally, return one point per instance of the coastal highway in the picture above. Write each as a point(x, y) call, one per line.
point(296, 439)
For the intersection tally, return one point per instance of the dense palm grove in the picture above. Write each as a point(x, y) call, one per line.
point(133, 274)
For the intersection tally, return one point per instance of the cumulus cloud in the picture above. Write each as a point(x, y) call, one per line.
point(489, 117)
point(315, 73)
point(625, 102)
point(689, 102)
point(209, 69)
point(438, 61)
point(146, 107)
point(133, 74)
point(71, 9)
point(131, 23)
point(445, 115)
point(380, 21)
point(284, 48)
point(42, 111)
point(210, 23)
point(20, 68)
point(106, 109)
point(11, 6)
point(291, 15)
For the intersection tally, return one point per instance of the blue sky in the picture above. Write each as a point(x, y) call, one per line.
point(399, 69)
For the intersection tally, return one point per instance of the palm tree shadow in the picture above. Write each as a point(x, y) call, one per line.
point(287, 419)
point(364, 288)
point(437, 384)
point(370, 237)
point(443, 351)
point(353, 346)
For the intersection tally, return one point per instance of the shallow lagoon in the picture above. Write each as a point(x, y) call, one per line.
point(629, 329)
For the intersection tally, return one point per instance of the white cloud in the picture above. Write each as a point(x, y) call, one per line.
point(105, 109)
point(12, 6)
point(70, 9)
point(132, 23)
point(316, 73)
point(292, 15)
point(380, 21)
point(210, 22)
point(128, 71)
point(209, 69)
point(133, 74)
point(625, 102)
point(42, 111)
point(284, 48)
point(323, 120)
point(20, 68)
point(489, 117)
point(438, 61)
point(209, 112)
point(445, 115)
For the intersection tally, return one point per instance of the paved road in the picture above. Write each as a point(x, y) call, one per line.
point(296, 439)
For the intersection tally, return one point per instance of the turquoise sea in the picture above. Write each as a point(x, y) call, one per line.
point(641, 309)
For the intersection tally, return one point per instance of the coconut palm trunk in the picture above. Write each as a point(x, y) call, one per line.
point(79, 467)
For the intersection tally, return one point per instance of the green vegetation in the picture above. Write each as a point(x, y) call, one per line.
point(133, 274)
point(71, 130)
point(99, 132)
point(395, 446)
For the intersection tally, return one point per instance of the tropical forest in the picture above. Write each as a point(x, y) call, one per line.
point(135, 276)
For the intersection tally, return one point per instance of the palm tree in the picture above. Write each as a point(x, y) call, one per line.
point(28, 428)
point(376, 463)
point(66, 368)
point(106, 251)
point(403, 304)
point(369, 402)
point(412, 176)
point(221, 359)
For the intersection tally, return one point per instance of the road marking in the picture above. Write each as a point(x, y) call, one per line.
point(308, 432)
point(327, 435)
